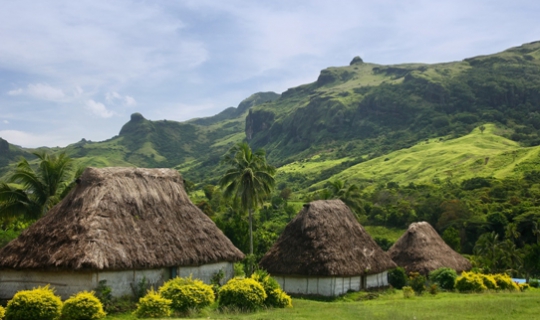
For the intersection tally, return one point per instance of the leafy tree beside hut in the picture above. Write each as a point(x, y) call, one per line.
point(120, 225)
point(325, 251)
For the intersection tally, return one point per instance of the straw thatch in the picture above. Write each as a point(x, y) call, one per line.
point(422, 250)
point(325, 240)
point(118, 219)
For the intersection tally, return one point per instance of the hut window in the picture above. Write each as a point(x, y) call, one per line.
point(173, 271)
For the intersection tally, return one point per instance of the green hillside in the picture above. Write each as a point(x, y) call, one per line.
point(369, 110)
point(365, 122)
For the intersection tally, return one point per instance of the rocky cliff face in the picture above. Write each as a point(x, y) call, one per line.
point(258, 121)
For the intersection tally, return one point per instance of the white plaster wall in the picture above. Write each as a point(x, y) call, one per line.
point(65, 283)
point(121, 281)
point(325, 286)
point(377, 280)
point(207, 271)
point(313, 285)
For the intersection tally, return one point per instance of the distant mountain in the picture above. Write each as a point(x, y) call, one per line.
point(10, 153)
point(368, 109)
point(349, 116)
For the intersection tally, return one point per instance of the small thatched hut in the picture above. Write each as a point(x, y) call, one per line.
point(421, 249)
point(325, 251)
point(118, 225)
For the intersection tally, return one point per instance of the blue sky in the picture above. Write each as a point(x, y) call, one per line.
point(78, 69)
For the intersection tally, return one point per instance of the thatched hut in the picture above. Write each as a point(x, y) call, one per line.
point(325, 251)
point(118, 225)
point(421, 249)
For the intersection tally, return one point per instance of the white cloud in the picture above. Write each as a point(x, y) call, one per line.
point(114, 98)
point(5, 121)
point(45, 92)
point(130, 101)
point(96, 43)
point(98, 109)
point(32, 140)
point(15, 92)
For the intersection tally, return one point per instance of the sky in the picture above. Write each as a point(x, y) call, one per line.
point(78, 69)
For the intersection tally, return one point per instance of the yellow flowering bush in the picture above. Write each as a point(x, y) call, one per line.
point(470, 282)
point(275, 297)
point(504, 282)
point(40, 303)
point(152, 305)
point(187, 293)
point(489, 281)
point(243, 294)
point(83, 306)
point(2, 312)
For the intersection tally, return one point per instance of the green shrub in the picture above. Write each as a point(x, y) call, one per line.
point(504, 282)
point(187, 293)
point(2, 312)
point(445, 278)
point(522, 287)
point(239, 270)
point(397, 277)
point(153, 306)
point(40, 303)
point(82, 306)
point(417, 282)
point(434, 289)
point(408, 292)
point(215, 281)
point(534, 283)
point(104, 293)
point(243, 294)
point(470, 282)
point(275, 297)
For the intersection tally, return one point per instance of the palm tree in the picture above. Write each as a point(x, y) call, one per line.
point(248, 181)
point(350, 194)
point(30, 192)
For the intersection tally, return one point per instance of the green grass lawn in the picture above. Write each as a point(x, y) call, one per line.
point(522, 305)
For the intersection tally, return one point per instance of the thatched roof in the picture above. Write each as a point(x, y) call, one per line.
point(325, 239)
point(421, 249)
point(118, 219)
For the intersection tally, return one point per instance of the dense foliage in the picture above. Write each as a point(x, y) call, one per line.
point(445, 278)
point(397, 277)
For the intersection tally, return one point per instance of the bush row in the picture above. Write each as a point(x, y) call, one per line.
point(478, 282)
point(179, 294)
point(447, 279)
point(186, 294)
point(41, 303)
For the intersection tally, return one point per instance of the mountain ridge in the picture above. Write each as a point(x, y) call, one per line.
point(357, 112)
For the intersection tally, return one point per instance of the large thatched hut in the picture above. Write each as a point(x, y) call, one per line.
point(118, 225)
point(325, 251)
point(421, 249)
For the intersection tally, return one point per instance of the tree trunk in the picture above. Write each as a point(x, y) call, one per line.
point(250, 231)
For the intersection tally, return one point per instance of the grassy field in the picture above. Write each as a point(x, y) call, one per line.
point(523, 305)
point(485, 154)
